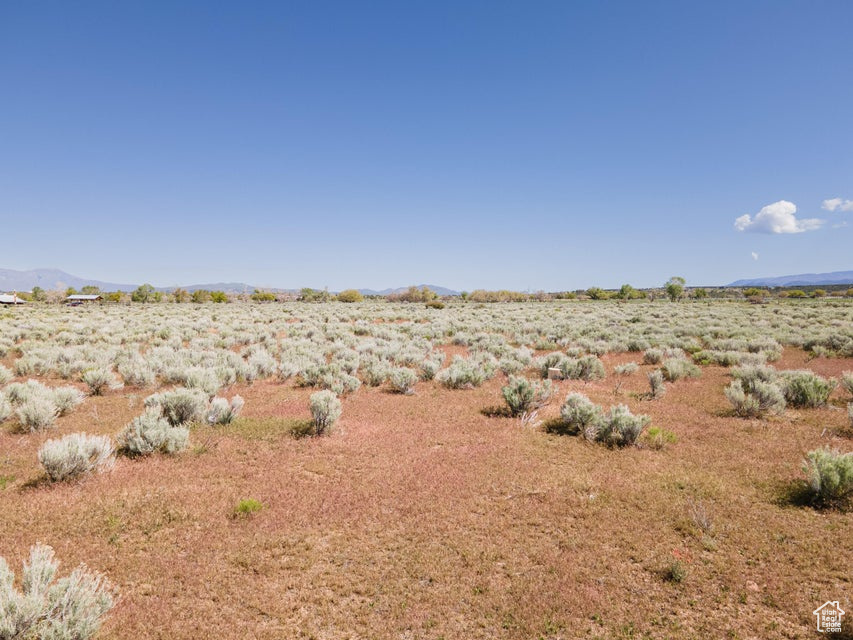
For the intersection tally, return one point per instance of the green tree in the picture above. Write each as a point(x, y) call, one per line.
point(39, 294)
point(218, 296)
point(350, 295)
point(143, 293)
point(200, 296)
point(675, 288)
point(597, 293)
point(700, 294)
point(626, 292)
point(91, 290)
point(181, 296)
point(263, 296)
point(314, 295)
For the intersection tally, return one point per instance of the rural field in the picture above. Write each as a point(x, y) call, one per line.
point(460, 493)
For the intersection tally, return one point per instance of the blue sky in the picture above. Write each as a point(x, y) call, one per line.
point(520, 145)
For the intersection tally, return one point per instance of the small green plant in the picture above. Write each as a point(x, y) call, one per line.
point(247, 507)
point(658, 437)
point(830, 475)
point(325, 410)
point(676, 572)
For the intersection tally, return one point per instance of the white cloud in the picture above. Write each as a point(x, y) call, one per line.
point(754, 256)
point(777, 218)
point(837, 204)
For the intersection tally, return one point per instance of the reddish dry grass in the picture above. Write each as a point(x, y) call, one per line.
point(421, 517)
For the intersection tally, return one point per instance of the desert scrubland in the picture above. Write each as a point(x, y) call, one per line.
point(655, 487)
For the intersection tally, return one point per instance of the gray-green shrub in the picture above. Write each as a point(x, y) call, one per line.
point(625, 369)
point(763, 398)
point(847, 382)
point(830, 475)
point(806, 389)
point(221, 411)
point(99, 380)
point(151, 432)
point(403, 380)
point(325, 411)
point(37, 412)
point(656, 384)
point(71, 608)
point(461, 374)
point(581, 415)
point(522, 395)
point(180, 405)
point(676, 368)
point(74, 455)
point(620, 428)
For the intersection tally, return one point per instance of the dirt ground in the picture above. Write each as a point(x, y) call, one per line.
point(425, 517)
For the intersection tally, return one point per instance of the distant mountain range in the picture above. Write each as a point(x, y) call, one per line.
point(801, 280)
point(442, 291)
point(50, 279)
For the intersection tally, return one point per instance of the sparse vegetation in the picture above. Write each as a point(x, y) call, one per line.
point(434, 461)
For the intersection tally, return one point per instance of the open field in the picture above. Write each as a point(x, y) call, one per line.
point(436, 514)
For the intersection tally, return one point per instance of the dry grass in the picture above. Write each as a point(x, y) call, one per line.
point(421, 517)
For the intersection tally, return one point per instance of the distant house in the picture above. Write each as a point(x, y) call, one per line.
point(79, 298)
point(11, 298)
